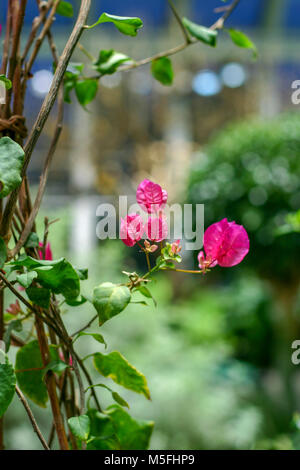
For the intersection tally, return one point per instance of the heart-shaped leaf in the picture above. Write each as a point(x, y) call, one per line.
point(80, 426)
point(11, 162)
point(109, 300)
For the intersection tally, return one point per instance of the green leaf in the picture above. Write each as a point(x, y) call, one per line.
point(96, 336)
point(103, 432)
point(32, 241)
point(6, 81)
point(56, 366)
point(241, 40)
point(104, 443)
point(26, 279)
point(118, 399)
point(39, 296)
point(201, 33)
point(65, 9)
point(83, 273)
point(80, 426)
point(115, 366)
point(76, 302)
point(162, 70)
point(125, 25)
point(146, 293)
point(57, 275)
point(11, 162)
point(31, 381)
point(3, 252)
point(109, 61)
point(132, 434)
point(13, 325)
point(7, 385)
point(110, 300)
point(86, 90)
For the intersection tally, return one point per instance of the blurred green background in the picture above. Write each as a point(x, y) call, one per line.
point(217, 349)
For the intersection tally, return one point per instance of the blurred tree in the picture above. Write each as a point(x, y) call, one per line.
point(250, 173)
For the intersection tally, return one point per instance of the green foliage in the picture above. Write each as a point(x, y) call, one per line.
point(80, 426)
point(201, 33)
point(96, 336)
point(110, 300)
point(291, 224)
point(15, 325)
point(39, 296)
point(146, 293)
point(162, 70)
point(241, 40)
point(6, 81)
point(109, 61)
point(86, 90)
point(32, 241)
point(117, 398)
point(57, 275)
point(56, 366)
point(3, 252)
point(72, 74)
point(65, 9)
point(249, 173)
point(31, 381)
point(26, 279)
point(116, 429)
point(11, 162)
point(7, 384)
point(125, 25)
point(115, 366)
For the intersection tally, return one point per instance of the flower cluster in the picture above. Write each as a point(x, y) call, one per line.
point(225, 243)
point(152, 199)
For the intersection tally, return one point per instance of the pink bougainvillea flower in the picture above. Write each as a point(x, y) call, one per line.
point(156, 229)
point(132, 229)
point(151, 197)
point(14, 309)
point(205, 263)
point(48, 252)
point(225, 243)
point(175, 247)
point(61, 356)
point(150, 248)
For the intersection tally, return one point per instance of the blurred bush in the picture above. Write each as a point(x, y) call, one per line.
point(250, 173)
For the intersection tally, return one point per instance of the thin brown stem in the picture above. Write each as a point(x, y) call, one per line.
point(47, 107)
point(40, 39)
point(174, 50)
point(179, 21)
point(43, 180)
point(51, 386)
point(35, 26)
point(32, 418)
point(85, 326)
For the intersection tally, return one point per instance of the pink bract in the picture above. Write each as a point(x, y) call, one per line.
point(132, 229)
point(226, 242)
point(151, 197)
point(48, 252)
point(156, 229)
